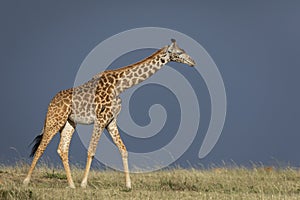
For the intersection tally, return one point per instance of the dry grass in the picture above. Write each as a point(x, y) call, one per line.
point(218, 183)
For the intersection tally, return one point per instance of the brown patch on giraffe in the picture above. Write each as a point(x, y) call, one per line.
point(110, 79)
point(86, 97)
point(134, 80)
point(97, 99)
point(135, 75)
point(144, 76)
point(140, 71)
point(146, 69)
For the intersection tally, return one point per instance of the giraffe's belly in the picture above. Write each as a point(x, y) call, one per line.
point(83, 113)
point(82, 119)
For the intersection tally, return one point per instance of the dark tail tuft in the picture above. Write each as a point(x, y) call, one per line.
point(37, 141)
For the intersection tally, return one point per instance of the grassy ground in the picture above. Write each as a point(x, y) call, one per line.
point(218, 183)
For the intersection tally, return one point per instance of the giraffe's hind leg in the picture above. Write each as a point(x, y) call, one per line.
point(57, 115)
point(63, 149)
point(46, 138)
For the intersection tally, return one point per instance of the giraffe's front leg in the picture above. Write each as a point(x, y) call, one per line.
point(97, 131)
point(113, 131)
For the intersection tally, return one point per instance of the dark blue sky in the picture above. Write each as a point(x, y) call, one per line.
point(255, 45)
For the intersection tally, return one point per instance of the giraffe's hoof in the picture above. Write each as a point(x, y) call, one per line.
point(83, 184)
point(71, 186)
point(127, 189)
point(26, 181)
point(128, 186)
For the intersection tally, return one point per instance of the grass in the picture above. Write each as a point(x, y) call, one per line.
point(218, 183)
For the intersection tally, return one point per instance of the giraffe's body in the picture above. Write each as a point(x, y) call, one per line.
point(97, 102)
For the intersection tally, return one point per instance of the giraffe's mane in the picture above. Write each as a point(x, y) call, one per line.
point(139, 62)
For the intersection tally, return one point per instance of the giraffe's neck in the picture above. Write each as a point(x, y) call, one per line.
point(140, 71)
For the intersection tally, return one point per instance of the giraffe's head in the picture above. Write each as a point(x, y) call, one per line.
point(179, 55)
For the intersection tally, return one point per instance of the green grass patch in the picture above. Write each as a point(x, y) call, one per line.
point(216, 183)
point(55, 175)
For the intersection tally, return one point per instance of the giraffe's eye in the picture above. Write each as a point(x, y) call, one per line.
point(180, 51)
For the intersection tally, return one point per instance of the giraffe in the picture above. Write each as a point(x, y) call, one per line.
point(97, 102)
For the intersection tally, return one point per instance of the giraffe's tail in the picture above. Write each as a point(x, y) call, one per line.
point(37, 141)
